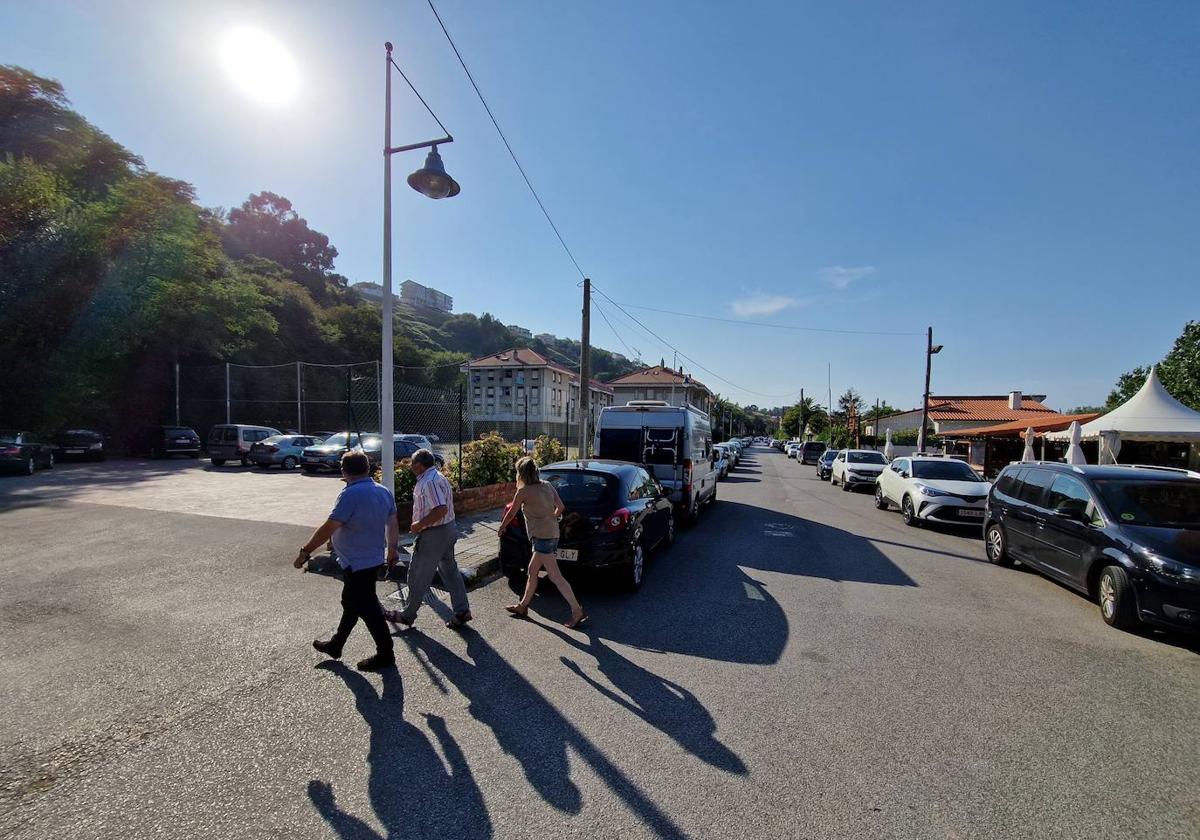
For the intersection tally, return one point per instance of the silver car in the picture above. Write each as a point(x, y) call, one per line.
point(286, 451)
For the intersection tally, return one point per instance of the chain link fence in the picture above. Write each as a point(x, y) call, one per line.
point(308, 398)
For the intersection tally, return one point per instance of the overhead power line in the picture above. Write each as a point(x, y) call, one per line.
point(507, 145)
point(772, 326)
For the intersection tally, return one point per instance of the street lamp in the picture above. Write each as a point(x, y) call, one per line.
point(930, 350)
point(432, 181)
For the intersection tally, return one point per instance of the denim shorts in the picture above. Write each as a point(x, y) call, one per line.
point(545, 546)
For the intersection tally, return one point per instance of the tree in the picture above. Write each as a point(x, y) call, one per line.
point(267, 226)
point(1179, 371)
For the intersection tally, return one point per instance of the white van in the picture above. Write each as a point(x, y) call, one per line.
point(232, 442)
point(673, 442)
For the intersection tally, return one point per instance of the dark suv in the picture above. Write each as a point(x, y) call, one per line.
point(1126, 536)
point(164, 441)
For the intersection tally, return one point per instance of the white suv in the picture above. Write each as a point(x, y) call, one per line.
point(855, 467)
point(933, 489)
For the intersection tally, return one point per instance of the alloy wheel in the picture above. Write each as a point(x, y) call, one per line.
point(995, 544)
point(289, 463)
point(1108, 596)
point(639, 564)
point(29, 467)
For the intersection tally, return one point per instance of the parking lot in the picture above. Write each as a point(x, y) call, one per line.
point(182, 485)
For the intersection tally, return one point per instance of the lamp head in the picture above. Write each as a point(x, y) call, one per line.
point(431, 179)
point(937, 348)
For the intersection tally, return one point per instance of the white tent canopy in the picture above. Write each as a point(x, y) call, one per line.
point(1150, 414)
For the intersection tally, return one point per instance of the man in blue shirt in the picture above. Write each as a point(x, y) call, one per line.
point(365, 534)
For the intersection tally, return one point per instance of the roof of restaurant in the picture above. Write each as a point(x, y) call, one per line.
point(1052, 422)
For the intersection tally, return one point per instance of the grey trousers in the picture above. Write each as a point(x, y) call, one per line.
point(433, 551)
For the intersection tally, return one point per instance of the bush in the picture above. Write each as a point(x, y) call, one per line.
point(489, 460)
point(405, 481)
point(548, 450)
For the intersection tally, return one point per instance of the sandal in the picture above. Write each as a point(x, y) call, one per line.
point(576, 620)
point(517, 611)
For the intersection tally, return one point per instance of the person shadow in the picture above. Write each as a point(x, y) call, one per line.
point(665, 705)
point(411, 791)
point(530, 728)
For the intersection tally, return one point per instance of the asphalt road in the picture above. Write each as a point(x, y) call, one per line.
point(799, 665)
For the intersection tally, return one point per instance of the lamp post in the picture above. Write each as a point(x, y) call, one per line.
point(930, 350)
point(431, 181)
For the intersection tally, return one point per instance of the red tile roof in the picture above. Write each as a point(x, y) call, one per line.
point(984, 408)
point(518, 357)
point(658, 375)
point(1052, 422)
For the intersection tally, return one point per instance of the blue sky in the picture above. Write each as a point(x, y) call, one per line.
point(1020, 176)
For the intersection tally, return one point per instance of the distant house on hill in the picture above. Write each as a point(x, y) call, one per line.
point(520, 332)
point(662, 383)
point(415, 294)
point(371, 292)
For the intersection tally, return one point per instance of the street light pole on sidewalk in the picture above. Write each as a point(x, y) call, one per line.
point(431, 181)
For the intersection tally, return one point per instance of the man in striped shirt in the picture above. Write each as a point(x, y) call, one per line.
point(433, 523)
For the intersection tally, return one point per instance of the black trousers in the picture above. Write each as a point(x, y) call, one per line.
point(359, 601)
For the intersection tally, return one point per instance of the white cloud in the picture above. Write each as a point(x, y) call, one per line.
point(840, 276)
point(760, 305)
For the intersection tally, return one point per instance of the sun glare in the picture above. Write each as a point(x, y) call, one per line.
point(260, 66)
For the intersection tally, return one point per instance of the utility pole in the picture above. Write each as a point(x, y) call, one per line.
point(930, 350)
point(227, 412)
point(299, 403)
point(803, 424)
point(387, 418)
point(585, 368)
point(177, 420)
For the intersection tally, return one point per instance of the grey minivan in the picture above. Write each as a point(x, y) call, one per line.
point(232, 442)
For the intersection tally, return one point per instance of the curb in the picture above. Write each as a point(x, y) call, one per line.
point(477, 576)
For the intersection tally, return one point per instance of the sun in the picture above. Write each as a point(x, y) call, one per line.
point(259, 65)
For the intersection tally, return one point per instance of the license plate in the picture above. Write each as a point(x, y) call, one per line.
point(309, 459)
point(970, 513)
point(567, 554)
point(182, 440)
point(74, 451)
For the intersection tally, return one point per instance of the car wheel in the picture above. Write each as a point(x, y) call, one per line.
point(712, 500)
point(50, 461)
point(881, 503)
point(245, 461)
point(1115, 594)
point(845, 486)
point(909, 513)
point(997, 545)
point(218, 462)
point(290, 462)
point(30, 467)
point(636, 569)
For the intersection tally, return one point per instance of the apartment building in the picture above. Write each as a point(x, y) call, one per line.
point(499, 384)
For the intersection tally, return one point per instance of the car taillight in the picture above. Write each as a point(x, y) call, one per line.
point(617, 521)
point(687, 474)
point(269, 447)
point(11, 450)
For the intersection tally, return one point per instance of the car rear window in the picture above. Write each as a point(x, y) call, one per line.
point(178, 431)
point(579, 489)
point(1156, 504)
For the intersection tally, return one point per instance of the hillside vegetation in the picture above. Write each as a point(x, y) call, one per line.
point(110, 273)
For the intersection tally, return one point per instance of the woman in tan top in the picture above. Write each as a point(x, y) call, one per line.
point(543, 508)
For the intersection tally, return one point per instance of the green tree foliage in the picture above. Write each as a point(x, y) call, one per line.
point(548, 450)
point(805, 414)
point(1179, 371)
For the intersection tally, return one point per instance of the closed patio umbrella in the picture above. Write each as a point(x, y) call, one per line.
point(1075, 451)
point(1029, 437)
point(889, 451)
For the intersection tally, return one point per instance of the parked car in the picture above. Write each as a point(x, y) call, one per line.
point(284, 451)
point(232, 442)
point(421, 441)
point(932, 489)
point(321, 436)
point(21, 452)
point(164, 441)
point(856, 468)
point(616, 512)
point(674, 443)
point(1126, 536)
point(327, 454)
point(81, 444)
point(792, 447)
point(724, 456)
point(810, 452)
point(825, 463)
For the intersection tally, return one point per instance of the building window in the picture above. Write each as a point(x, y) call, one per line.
point(506, 391)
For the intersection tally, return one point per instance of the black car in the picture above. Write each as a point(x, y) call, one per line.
point(328, 455)
point(164, 441)
point(80, 444)
point(615, 513)
point(21, 452)
point(1127, 536)
point(825, 464)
